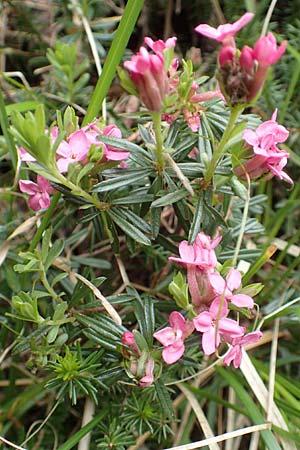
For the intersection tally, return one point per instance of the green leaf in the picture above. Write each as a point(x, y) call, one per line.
point(197, 219)
point(73, 440)
point(54, 252)
point(164, 399)
point(21, 106)
point(170, 198)
point(129, 229)
point(128, 177)
point(251, 407)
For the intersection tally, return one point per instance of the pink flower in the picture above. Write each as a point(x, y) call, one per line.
point(235, 353)
point(224, 32)
point(226, 288)
point(148, 378)
point(39, 192)
point(267, 156)
point(159, 46)
point(199, 258)
point(148, 74)
point(201, 253)
point(172, 338)
point(265, 51)
point(25, 156)
point(192, 120)
point(213, 324)
point(74, 149)
point(113, 153)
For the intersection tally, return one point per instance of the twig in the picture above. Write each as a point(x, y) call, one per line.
point(208, 433)
point(108, 307)
point(272, 372)
point(42, 424)
point(88, 413)
point(185, 182)
point(93, 46)
point(268, 18)
point(5, 441)
point(140, 441)
point(222, 437)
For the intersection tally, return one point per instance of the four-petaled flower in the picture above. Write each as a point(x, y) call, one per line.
point(172, 338)
point(39, 192)
point(235, 353)
point(214, 323)
point(225, 288)
point(267, 156)
point(224, 32)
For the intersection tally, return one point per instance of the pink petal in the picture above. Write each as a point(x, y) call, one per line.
point(234, 354)
point(233, 279)
point(251, 338)
point(242, 300)
point(215, 306)
point(250, 137)
point(217, 282)
point(210, 341)
point(28, 187)
point(173, 353)
point(230, 327)
point(203, 321)
point(166, 336)
point(63, 164)
point(177, 321)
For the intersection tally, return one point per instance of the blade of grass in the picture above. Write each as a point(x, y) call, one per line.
point(7, 136)
point(252, 409)
point(131, 13)
point(70, 443)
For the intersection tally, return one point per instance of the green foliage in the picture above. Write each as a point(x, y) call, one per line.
point(77, 277)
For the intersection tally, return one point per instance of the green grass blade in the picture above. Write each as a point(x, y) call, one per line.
point(5, 130)
point(114, 56)
point(252, 409)
point(70, 443)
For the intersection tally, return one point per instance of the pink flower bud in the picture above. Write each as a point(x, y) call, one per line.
point(148, 74)
point(226, 55)
point(265, 50)
point(247, 59)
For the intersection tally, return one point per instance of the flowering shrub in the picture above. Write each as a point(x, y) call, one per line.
point(139, 265)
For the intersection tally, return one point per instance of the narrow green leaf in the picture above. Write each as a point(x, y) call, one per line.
point(164, 399)
point(129, 177)
point(129, 229)
point(129, 18)
point(196, 223)
point(21, 106)
point(170, 198)
point(7, 136)
point(252, 409)
point(73, 440)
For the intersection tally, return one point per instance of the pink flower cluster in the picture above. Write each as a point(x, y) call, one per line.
point(148, 73)
point(268, 158)
point(242, 74)
point(211, 296)
point(154, 81)
point(141, 366)
point(74, 148)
